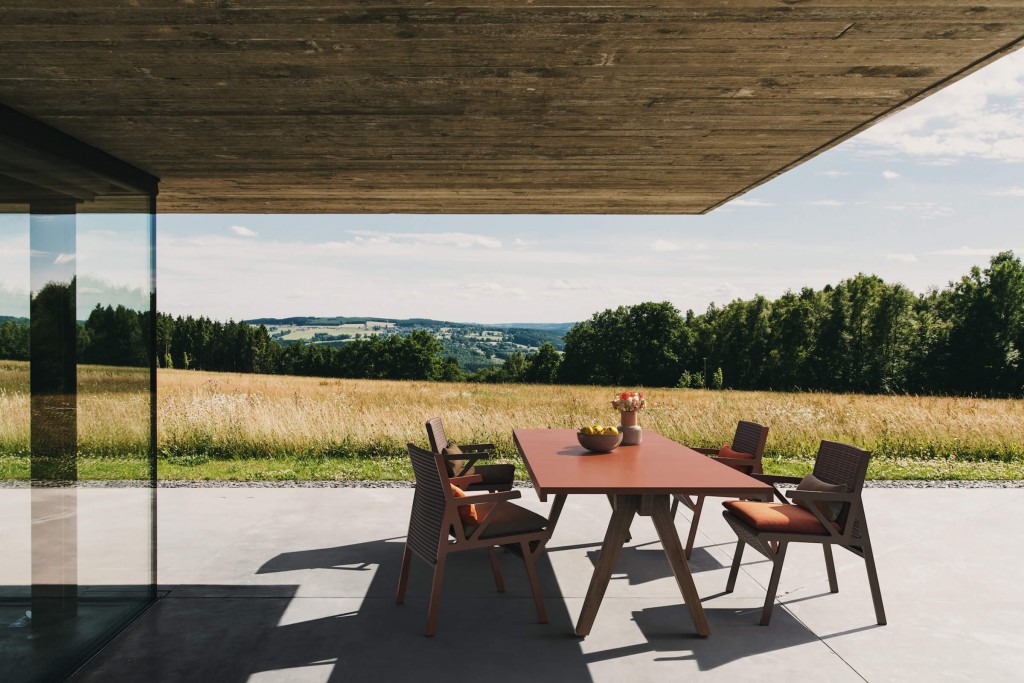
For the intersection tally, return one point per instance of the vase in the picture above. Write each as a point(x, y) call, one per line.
point(632, 435)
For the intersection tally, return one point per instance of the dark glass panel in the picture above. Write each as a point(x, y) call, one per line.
point(77, 451)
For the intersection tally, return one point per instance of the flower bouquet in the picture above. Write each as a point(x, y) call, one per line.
point(629, 404)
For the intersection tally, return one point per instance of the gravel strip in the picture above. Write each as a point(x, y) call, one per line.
point(206, 484)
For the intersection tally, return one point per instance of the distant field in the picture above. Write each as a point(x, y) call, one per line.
point(231, 426)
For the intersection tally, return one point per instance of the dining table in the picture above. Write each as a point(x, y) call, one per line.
point(639, 481)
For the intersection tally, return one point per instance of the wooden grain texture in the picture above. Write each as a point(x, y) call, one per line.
point(478, 106)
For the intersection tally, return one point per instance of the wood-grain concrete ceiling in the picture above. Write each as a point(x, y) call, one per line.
point(480, 106)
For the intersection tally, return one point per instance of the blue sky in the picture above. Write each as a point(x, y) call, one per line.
point(918, 199)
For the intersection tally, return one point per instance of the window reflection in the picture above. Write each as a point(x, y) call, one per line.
point(77, 458)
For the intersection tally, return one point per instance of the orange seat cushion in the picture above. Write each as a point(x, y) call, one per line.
point(467, 513)
point(726, 451)
point(775, 517)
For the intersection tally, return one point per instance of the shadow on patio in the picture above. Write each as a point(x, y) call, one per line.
point(262, 632)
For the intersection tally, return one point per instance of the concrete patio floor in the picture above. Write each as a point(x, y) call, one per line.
point(278, 584)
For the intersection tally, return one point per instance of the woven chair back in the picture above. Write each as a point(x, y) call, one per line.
point(840, 463)
point(436, 434)
point(428, 504)
point(750, 438)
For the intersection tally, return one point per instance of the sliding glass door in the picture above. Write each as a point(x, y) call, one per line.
point(77, 392)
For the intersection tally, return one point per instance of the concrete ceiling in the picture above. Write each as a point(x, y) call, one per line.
point(480, 106)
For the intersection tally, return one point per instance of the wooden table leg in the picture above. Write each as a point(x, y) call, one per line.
point(556, 511)
point(622, 516)
point(662, 518)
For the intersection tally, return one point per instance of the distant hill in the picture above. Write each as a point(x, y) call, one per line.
point(5, 318)
point(309, 321)
point(561, 328)
point(472, 345)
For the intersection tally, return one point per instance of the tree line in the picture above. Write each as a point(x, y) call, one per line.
point(860, 335)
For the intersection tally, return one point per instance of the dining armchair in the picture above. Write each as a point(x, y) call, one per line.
point(744, 454)
point(445, 520)
point(827, 508)
point(460, 460)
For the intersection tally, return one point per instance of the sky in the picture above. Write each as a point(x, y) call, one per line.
point(918, 199)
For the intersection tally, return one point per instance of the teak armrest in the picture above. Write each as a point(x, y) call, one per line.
point(477, 448)
point(466, 480)
point(776, 479)
point(739, 462)
point(824, 496)
point(467, 459)
point(496, 497)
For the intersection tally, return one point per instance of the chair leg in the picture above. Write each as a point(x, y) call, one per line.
point(530, 558)
point(435, 596)
point(675, 507)
point(403, 577)
point(773, 585)
point(876, 591)
point(693, 525)
point(736, 559)
point(830, 567)
point(496, 568)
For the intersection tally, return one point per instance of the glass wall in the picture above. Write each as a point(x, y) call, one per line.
point(77, 392)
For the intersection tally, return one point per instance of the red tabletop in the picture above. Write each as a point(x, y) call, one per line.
point(558, 464)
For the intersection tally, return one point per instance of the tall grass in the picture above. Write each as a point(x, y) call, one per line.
point(344, 428)
point(222, 425)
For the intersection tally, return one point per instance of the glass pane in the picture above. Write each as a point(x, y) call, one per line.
point(114, 402)
point(15, 407)
point(77, 494)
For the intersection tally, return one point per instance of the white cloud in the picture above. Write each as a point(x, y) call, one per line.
point(491, 290)
point(890, 175)
point(64, 258)
point(828, 202)
point(750, 202)
point(1017, 191)
point(981, 116)
point(567, 285)
point(665, 245)
point(967, 251)
point(243, 231)
point(834, 174)
point(903, 258)
point(461, 240)
point(922, 209)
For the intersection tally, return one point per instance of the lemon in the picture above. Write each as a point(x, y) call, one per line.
point(586, 430)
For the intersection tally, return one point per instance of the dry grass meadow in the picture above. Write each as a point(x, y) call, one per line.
point(234, 426)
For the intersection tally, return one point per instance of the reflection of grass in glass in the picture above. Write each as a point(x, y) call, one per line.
point(14, 420)
point(252, 427)
point(113, 422)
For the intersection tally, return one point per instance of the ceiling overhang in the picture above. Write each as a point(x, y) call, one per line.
point(480, 106)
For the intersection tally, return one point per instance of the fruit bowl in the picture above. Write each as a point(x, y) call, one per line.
point(599, 443)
